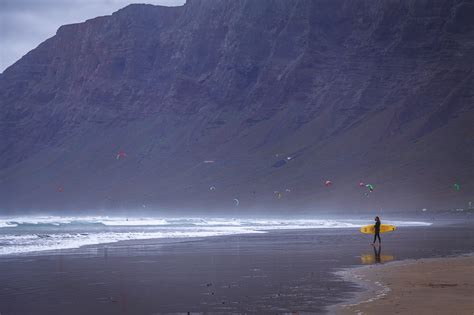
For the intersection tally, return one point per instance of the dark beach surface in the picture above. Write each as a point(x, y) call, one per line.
point(276, 272)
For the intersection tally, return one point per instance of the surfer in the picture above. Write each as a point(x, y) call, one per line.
point(377, 230)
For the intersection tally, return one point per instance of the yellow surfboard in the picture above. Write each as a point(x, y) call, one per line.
point(384, 228)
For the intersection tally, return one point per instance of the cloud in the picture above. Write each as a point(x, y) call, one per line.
point(24, 24)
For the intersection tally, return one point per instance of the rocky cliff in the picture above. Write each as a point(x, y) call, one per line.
point(152, 106)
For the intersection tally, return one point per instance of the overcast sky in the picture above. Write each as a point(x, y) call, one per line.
point(24, 24)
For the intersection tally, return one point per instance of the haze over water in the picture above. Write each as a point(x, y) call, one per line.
point(43, 233)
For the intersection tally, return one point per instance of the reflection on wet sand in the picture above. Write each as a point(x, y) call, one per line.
point(376, 257)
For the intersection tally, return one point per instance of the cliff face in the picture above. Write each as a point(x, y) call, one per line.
point(279, 94)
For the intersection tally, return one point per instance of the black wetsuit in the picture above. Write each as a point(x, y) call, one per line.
point(377, 231)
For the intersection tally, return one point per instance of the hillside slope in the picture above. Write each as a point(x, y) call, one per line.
point(279, 94)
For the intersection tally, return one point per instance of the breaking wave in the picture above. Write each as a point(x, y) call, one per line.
point(33, 234)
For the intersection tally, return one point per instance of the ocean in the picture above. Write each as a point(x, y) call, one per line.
point(33, 234)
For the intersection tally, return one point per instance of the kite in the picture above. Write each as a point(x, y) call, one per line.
point(120, 154)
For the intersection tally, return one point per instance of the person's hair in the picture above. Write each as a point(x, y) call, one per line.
point(377, 218)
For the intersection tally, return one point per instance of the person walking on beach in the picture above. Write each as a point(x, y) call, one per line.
point(377, 230)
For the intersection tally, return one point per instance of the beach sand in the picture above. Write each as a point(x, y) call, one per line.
point(424, 286)
point(273, 273)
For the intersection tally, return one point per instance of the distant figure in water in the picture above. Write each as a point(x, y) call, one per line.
point(377, 230)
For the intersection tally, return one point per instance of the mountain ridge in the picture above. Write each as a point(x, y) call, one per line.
point(349, 91)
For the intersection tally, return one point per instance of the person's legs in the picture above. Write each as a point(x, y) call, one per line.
point(375, 237)
point(378, 235)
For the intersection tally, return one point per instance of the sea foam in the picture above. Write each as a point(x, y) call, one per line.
point(41, 233)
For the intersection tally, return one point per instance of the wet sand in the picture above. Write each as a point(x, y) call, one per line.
point(276, 272)
point(425, 286)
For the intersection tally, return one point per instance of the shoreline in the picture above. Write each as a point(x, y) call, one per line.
point(283, 271)
point(174, 239)
point(420, 286)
